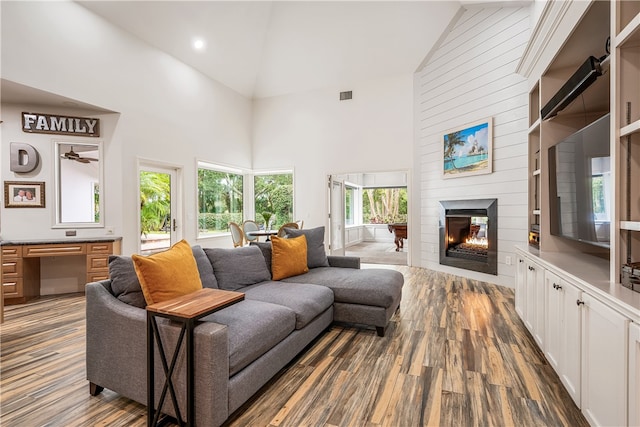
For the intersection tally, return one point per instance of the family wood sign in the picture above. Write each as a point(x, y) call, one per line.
point(60, 125)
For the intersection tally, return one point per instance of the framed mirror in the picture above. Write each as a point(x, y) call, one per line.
point(79, 176)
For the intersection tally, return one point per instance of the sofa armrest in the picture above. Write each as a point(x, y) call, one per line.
point(116, 355)
point(344, 261)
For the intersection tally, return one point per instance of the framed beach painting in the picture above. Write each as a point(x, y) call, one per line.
point(468, 150)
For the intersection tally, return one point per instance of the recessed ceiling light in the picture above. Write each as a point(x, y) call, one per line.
point(198, 44)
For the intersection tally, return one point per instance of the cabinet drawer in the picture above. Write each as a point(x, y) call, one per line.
point(54, 250)
point(11, 251)
point(97, 262)
point(97, 276)
point(11, 268)
point(12, 288)
point(99, 248)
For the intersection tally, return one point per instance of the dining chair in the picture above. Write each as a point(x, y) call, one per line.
point(281, 232)
point(236, 234)
point(247, 227)
point(300, 222)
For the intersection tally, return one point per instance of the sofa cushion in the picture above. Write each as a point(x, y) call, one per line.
point(125, 284)
point(124, 281)
point(238, 267)
point(254, 328)
point(288, 257)
point(307, 301)
point(265, 247)
point(376, 286)
point(205, 268)
point(168, 274)
point(316, 255)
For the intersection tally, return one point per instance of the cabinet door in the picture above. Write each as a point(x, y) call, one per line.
point(554, 319)
point(604, 364)
point(539, 293)
point(521, 277)
point(634, 374)
point(570, 339)
point(530, 297)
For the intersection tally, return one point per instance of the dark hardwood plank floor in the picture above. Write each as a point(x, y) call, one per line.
point(455, 354)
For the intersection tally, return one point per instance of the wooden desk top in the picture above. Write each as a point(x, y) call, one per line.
point(195, 304)
point(59, 241)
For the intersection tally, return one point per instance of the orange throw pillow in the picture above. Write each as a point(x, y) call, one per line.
point(167, 274)
point(288, 257)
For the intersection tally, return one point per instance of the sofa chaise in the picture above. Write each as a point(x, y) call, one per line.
point(239, 348)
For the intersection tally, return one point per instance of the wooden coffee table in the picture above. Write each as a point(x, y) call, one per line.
point(187, 310)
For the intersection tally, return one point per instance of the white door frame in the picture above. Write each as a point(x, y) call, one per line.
point(177, 205)
point(336, 216)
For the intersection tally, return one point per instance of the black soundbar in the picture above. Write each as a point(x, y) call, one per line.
point(588, 72)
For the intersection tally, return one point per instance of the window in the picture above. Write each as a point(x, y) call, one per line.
point(273, 195)
point(220, 192)
point(384, 205)
point(349, 205)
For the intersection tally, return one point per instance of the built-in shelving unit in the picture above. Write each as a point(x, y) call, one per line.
point(574, 303)
point(625, 48)
point(588, 39)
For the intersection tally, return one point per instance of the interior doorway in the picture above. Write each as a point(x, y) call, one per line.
point(372, 222)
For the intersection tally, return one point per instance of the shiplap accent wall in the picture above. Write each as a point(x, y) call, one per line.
point(470, 77)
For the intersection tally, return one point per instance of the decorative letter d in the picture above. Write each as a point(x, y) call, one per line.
point(24, 158)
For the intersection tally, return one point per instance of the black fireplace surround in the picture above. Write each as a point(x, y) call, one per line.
point(455, 227)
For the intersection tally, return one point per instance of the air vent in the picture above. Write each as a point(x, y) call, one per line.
point(346, 95)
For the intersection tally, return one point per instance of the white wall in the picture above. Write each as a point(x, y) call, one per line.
point(319, 135)
point(471, 76)
point(167, 111)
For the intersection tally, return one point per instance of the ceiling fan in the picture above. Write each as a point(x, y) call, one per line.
point(72, 155)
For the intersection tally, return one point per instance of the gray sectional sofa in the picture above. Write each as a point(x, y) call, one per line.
point(239, 348)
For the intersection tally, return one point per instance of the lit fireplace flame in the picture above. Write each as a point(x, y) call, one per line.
point(482, 241)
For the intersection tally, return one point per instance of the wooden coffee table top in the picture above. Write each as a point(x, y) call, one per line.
point(195, 304)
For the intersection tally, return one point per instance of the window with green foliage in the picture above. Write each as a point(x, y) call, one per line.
point(273, 195)
point(384, 205)
point(349, 205)
point(155, 202)
point(219, 199)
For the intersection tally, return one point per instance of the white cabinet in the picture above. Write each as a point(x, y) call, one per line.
point(534, 300)
point(588, 339)
point(563, 332)
point(521, 277)
point(554, 321)
point(571, 340)
point(604, 363)
point(634, 374)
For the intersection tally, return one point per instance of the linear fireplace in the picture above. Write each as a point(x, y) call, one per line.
point(469, 234)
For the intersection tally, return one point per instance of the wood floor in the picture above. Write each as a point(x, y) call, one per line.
point(455, 355)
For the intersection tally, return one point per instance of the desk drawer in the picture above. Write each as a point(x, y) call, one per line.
point(12, 288)
point(96, 276)
point(54, 250)
point(11, 251)
point(11, 268)
point(99, 248)
point(97, 262)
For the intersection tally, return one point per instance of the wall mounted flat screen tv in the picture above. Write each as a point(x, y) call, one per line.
point(580, 185)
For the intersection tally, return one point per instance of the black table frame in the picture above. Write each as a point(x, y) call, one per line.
point(153, 333)
point(259, 233)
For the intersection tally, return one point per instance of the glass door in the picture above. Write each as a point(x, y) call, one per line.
point(336, 215)
point(159, 216)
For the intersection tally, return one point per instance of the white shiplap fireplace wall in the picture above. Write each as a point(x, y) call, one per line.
point(470, 76)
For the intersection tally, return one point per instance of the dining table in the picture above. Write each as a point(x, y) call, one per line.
point(259, 233)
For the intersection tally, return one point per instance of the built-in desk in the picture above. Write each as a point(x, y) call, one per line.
point(21, 262)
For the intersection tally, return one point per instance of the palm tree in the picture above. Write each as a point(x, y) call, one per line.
point(155, 200)
point(452, 141)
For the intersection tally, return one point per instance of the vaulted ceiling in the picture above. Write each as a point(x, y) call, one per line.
point(269, 48)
